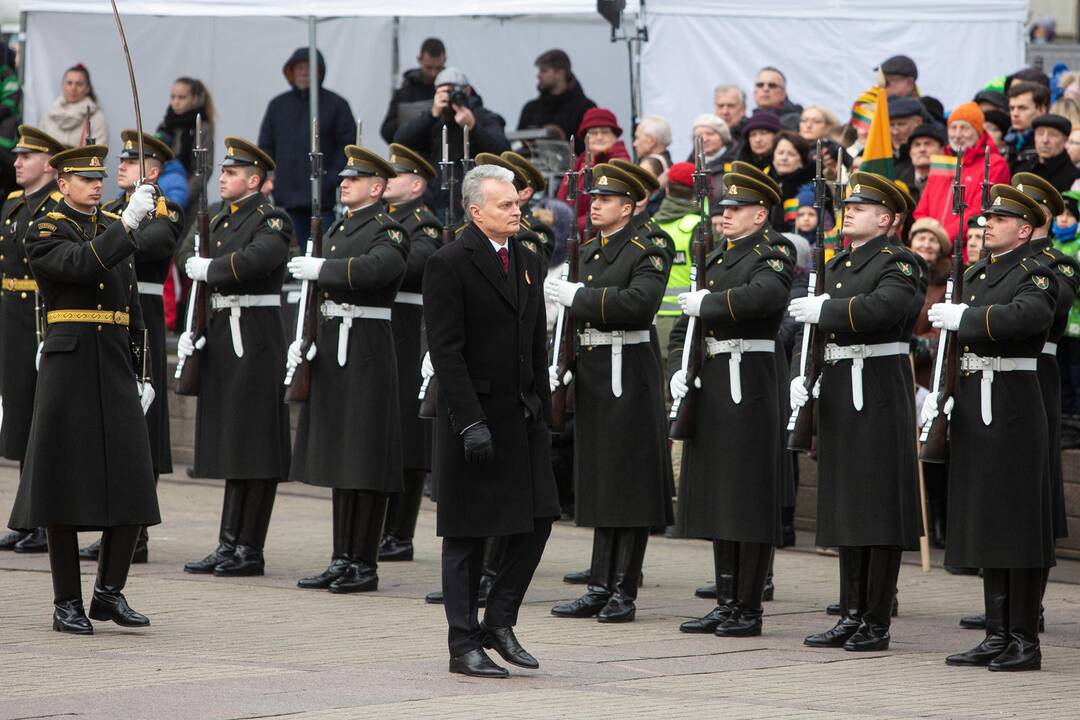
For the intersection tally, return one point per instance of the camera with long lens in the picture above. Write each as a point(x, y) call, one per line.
point(458, 96)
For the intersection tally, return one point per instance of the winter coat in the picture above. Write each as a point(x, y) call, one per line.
point(1059, 170)
point(413, 97)
point(64, 121)
point(618, 150)
point(564, 110)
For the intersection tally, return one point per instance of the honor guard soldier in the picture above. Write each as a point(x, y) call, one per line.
point(21, 323)
point(532, 228)
point(732, 483)
point(349, 435)
point(868, 502)
point(621, 488)
point(644, 223)
point(1000, 510)
point(88, 464)
point(157, 239)
point(242, 421)
point(405, 195)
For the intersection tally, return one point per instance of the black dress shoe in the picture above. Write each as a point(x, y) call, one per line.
point(833, 609)
point(358, 578)
point(393, 550)
point(211, 561)
point(69, 617)
point(476, 663)
point(619, 609)
point(954, 570)
point(982, 654)
point(112, 605)
point(1021, 654)
point(435, 597)
point(8, 541)
point(974, 622)
point(334, 570)
point(870, 637)
point(707, 624)
point(581, 577)
point(708, 592)
point(503, 640)
point(741, 623)
point(834, 638)
point(246, 562)
point(34, 542)
point(90, 552)
point(585, 606)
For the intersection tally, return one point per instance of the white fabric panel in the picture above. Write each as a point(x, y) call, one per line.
point(321, 8)
point(827, 62)
point(951, 11)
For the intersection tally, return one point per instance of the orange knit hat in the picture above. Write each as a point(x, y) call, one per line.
point(970, 113)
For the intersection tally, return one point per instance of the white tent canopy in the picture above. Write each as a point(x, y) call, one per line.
point(322, 8)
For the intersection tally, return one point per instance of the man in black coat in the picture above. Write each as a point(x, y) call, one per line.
point(417, 89)
point(284, 136)
point(487, 337)
point(562, 102)
point(1051, 161)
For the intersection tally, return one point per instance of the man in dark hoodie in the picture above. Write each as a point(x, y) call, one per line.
point(284, 136)
point(417, 89)
point(562, 102)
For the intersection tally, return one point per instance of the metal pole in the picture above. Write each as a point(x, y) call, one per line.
point(22, 64)
point(395, 52)
point(313, 93)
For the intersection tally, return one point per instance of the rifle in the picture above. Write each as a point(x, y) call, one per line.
point(684, 409)
point(984, 187)
point(188, 373)
point(801, 422)
point(298, 378)
point(564, 351)
point(948, 355)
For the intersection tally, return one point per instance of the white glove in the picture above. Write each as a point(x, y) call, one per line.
point(197, 267)
point(930, 408)
point(186, 346)
point(294, 356)
point(139, 206)
point(561, 291)
point(427, 370)
point(553, 378)
point(305, 268)
point(807, 309)
point(798, 393)
point(146, 395)
point(37, 358)
point(679, 386)
point(690, 302)
point(946, 315)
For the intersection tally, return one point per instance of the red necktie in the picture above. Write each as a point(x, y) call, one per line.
point(504, 258)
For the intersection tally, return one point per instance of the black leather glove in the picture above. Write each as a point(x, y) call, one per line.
point(478, 447)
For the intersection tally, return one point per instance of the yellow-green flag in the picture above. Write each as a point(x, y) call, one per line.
point(877, 157)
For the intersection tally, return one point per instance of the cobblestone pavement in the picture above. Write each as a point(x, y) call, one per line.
point(261, 648)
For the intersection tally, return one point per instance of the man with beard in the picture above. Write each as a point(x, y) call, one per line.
point(562, 102)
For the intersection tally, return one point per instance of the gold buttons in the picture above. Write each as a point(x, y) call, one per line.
point(967, 349)
point(225, 224)
point(847, 264)
point(219, 243)
point(98, 307)
point(711, 283)
point(326, 294)
point(99, 328)
point(588, 325)
point(832, 336)
point(127, 308)
point(596, 256)
point(333, 248)
point(839, 285)
point(972, 297)
point(982, 276)
point(341, 226)
point(589, 278)
point(22, 295)
point(101, 286)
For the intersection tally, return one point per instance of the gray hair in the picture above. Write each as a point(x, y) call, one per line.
point(802, 250)
point(657, 128)
point(730, 88)
point(472, 190)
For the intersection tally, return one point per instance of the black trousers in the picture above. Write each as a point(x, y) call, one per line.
point(462, 562)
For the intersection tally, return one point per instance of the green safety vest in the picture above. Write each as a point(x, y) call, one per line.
point(681, 232)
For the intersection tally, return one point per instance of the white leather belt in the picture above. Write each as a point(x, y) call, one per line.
point(1049, 349)
point(972, 363)
point(735, 347)
point(146, 288)
point(857, 354)
point(234, 303)
point(616, 339)
point(408, 298)
point(348, 313)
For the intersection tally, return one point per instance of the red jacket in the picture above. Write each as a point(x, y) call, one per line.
point(618, 150)
point(936, 200)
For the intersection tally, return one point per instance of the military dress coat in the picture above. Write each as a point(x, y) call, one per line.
point(868, 491)
point(783, 380)
point(1000, 507)
point(242, 421)
point(18, 325)
point(349, 434)
point(731, 486)
point(1067, 271)
point(157, 240)
point(621, 442)
point(425, 237)
point(487, 335)
point(87, 462)
point(536, 235)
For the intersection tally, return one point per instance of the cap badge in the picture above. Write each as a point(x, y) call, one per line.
point(997, 201)
point(856, 190)
point(231, 151)
point(603, 180)
point(94, 162)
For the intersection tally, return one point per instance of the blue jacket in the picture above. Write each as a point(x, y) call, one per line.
point(173, 182)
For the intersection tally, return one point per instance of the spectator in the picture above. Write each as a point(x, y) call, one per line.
point(601, 132)
point(900, 73)
point(730, 102)
point(562, 102)
point(968, 136)
point(10, 117)
point(991, 100)
point(1065, 224)
point(905, 114)
point(651, 140)
point(716, 144)
point(679, 217)
point(973, 240)
point(66, 118)
point(925, 141)
point(996, 123)
point(455, 106)
point(816, 122)
point(1072, 145)
point(284, 135)
point(770, 93)
point(1069, 345)
point(759, 136)
point(417, 89)
point(188, 98)
point(792, 169)
point(806, 217)
point(654, 167)
point(1068, 108)
point(1027, 100)
point(1052, 161)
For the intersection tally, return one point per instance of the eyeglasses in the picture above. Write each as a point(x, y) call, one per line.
point(770, 85)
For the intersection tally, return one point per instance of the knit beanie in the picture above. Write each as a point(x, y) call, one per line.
point(970, 113)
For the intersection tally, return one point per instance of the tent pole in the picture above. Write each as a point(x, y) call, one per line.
point(395, 48)
point(22, 65)
point(313, 94)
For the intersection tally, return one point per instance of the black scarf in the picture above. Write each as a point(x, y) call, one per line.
point(179, 132)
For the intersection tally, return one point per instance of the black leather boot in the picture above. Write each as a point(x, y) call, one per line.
point(852, 601)
point(34, 542)
point(629, 557)
point(248, 561)
point(1022, 617)
point(232, 508)
point(745, 618)
point(725, 569)
point(598, 591)
point(770, 589)
point(995, 591)
point(882, 572)
point(401, 514)
point(90, 552)
point(368, 518)
point(68, 613)
point(342, 502)
point(114, 561)
point(8, 541)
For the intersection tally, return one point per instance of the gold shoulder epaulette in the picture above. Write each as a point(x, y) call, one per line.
point(15, 194)
point(57, 216)
point(887, 250)
point(1048, 253)
point(1023, 263)
point(108, 214)
point(635, 241)
point(56, 196)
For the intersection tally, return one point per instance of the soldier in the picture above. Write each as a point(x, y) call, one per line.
point(1000, 511)
point(88, 461)
point(646, 226)
point(157, 240)
point(533, 230)
point(405, 195)
point(867, 478)
point(732, 483)
point(242, 422)
point(349, 436)
point(20, 327)
point(621, 489)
